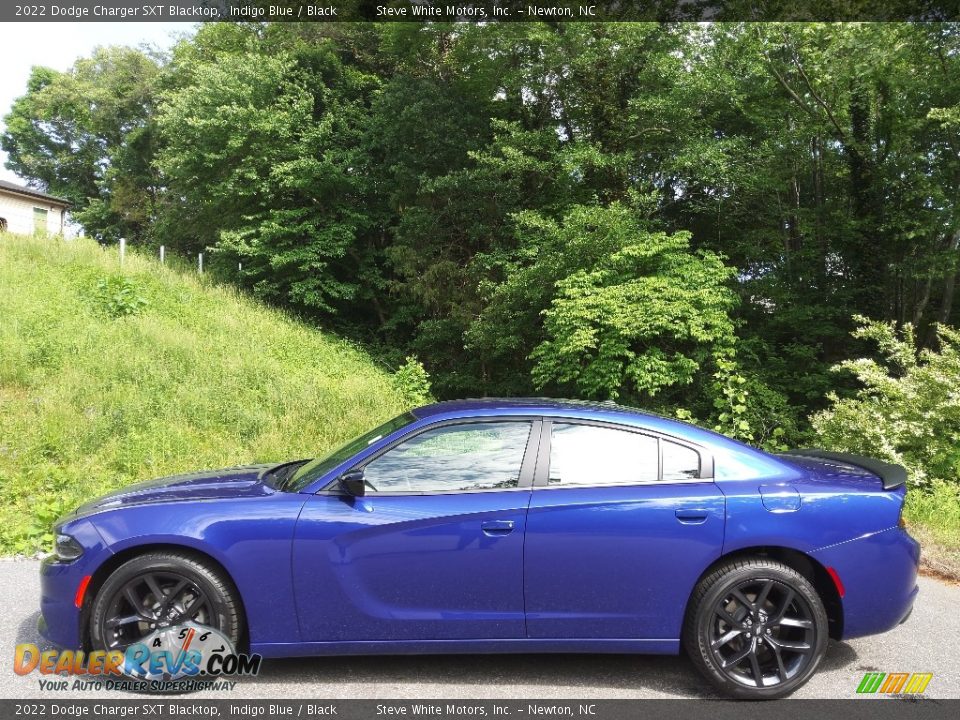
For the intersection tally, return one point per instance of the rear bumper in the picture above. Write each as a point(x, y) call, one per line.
point(879, 575)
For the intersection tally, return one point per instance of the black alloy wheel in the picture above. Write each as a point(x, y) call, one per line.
point(153, 601)
point(762, 633)
point(757, 629)
point(158, 590)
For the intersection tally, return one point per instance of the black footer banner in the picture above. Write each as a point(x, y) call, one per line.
point(153, 708)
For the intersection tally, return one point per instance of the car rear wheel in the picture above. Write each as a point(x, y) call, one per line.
point(756, 629)
point(159, 590)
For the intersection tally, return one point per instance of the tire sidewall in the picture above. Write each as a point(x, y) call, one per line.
point(704, 617)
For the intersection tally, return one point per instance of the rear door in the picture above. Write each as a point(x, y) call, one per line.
point(620, 526)
point(433, 551)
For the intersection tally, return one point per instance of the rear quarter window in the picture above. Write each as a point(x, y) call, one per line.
point(679, 462)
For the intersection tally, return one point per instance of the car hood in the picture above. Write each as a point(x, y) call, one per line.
point(231, 482)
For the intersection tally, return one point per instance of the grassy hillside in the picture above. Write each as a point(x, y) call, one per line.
point(198, 376)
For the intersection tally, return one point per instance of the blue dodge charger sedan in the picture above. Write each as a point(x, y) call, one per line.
point(526, 525)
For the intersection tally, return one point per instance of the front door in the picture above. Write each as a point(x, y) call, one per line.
point(433, 551)
point(621, 524)
point(39, 220)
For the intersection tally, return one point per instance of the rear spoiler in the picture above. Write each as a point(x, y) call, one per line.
point(892, 476)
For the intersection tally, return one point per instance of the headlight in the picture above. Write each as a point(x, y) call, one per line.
point(66, 548)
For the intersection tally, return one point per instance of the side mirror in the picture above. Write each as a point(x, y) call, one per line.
point(353, 483)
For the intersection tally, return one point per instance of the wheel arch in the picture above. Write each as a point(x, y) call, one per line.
point(804, 564)
point(113, 562)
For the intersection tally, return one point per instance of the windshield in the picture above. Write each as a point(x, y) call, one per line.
point(317, 468)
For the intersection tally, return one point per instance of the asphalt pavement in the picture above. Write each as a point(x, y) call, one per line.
point(927, 642)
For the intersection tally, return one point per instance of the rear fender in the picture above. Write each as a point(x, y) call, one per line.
point(878, 574)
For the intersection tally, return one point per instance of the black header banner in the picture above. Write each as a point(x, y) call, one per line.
point(193, 11)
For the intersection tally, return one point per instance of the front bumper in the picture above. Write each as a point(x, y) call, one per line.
point(879, 575)
point(60, 619)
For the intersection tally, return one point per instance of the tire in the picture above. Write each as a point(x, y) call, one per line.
point(204, 592)
point(756, 629)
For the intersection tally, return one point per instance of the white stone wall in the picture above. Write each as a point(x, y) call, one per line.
point(17, 210)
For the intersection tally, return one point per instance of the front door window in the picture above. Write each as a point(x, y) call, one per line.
point(453, 458)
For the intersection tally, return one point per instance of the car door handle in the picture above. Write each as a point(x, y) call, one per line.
point(497, 527)
point(692, 516)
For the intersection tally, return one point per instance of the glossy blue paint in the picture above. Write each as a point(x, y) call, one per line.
point(530, 569)
point(251, 538)
point(59, 583)
point(410, 567)
point(617, 562)
point(779, 498)
point(879, 573)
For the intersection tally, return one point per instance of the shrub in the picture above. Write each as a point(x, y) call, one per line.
point(908, 408)
point(119, 296)
point(412, 382)
point(745, 408)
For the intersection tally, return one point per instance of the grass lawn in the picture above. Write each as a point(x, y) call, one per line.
point(933, 518)
point(202, 377)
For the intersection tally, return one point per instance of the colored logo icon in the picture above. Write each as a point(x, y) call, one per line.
point(894, 683)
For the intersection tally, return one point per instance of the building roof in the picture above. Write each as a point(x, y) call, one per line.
point(30, 192)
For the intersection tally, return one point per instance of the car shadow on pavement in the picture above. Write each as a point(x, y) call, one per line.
point(669, 675)
point(27, 632)
point(839, 655)
point(664, 674)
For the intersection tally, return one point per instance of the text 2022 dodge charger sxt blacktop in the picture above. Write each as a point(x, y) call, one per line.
point(505, 526)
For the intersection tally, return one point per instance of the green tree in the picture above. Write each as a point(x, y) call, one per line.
point(259, 165)
point(88, 134)
point(634, 312)
point(482, 196)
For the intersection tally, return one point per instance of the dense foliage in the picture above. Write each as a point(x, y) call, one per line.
point(907, 411)
point(679, 216)
point(908, 407)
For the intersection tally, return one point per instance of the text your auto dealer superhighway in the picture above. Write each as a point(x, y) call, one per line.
point(76, 12)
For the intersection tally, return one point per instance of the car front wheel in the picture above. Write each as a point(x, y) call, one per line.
point(756, 629)
point(158, 590)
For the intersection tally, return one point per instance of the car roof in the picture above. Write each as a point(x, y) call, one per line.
point(582, 409)
point(535, 405)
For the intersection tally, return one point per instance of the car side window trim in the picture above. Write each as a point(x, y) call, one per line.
point(527, 466)
point(542, 472)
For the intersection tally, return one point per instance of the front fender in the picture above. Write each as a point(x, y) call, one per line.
point(251, 538)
